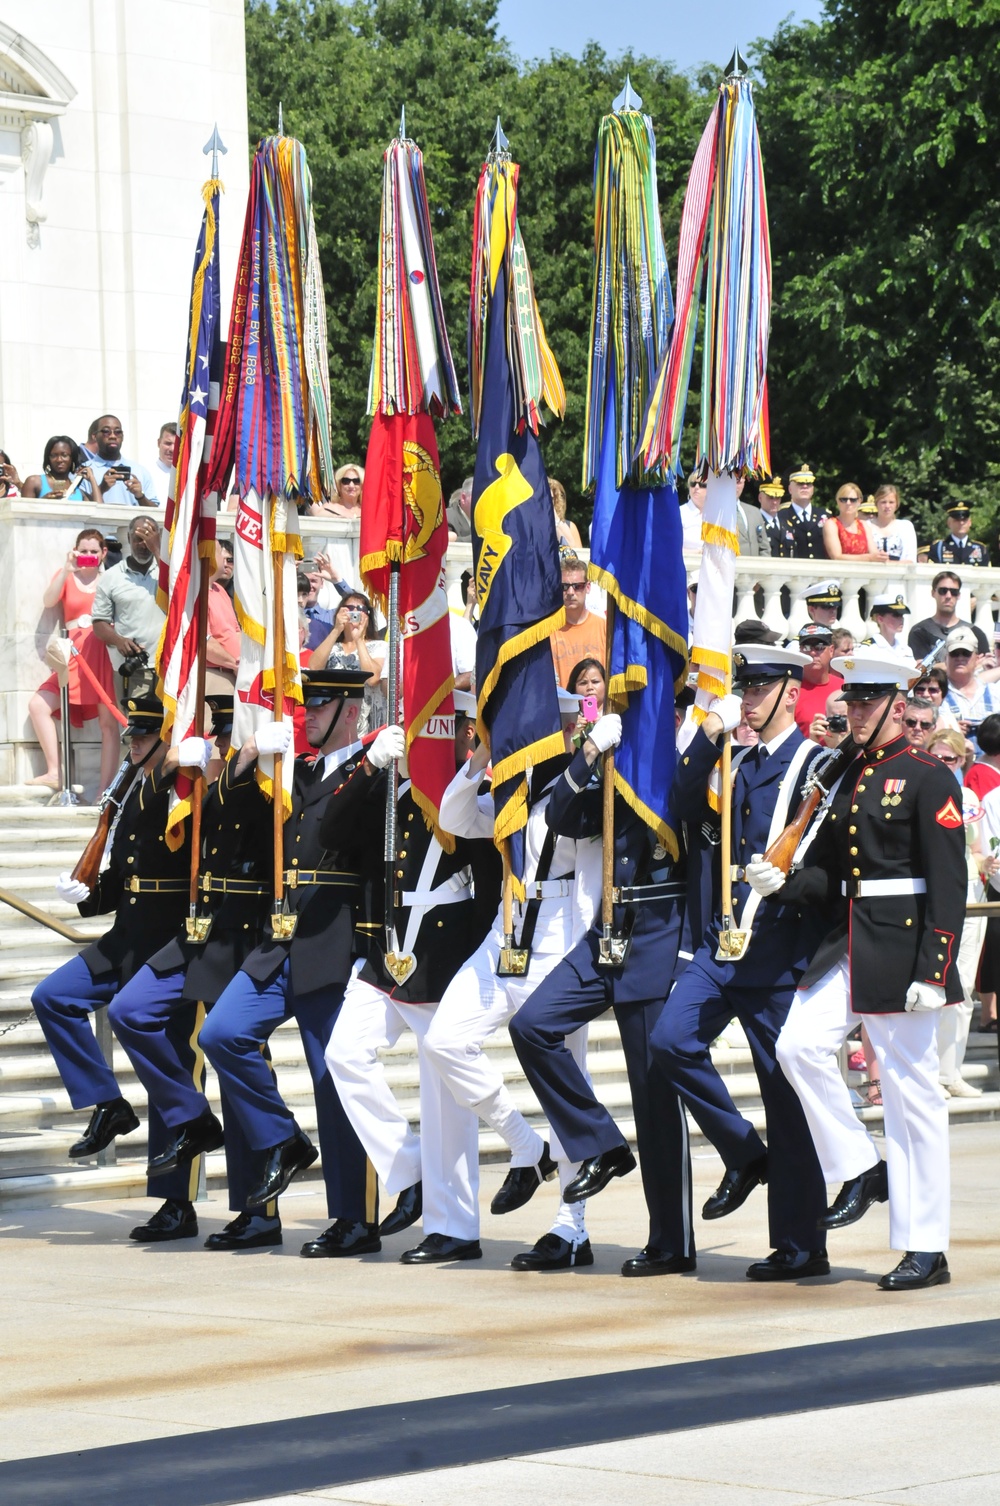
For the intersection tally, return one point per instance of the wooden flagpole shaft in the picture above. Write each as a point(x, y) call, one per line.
point(393, 771)
point(198, 784)
point(278, 807)
point(608, 851)
point(726, 819)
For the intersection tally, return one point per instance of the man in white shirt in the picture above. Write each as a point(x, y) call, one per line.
point(162, 468)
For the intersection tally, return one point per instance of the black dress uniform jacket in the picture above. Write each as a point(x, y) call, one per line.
point(321, 951)
point(951, 551)
point(576, 809)
point(780, 535)
point(237, 842)
point(897, 814)
point(448, 935)
point(807, 536)
point(144, 921)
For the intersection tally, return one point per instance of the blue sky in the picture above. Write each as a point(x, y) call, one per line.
point(688, 34)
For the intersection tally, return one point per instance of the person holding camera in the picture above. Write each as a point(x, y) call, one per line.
point(66, 476)
point(119, 481)
point(352, 644)
point(125, 613)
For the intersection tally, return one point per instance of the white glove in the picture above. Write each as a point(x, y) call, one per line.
point(273, 737)
point(763, 877)
point(606, 732)
point(390, 744)
point(193, 752)
point(70, 889)
point(921, 997)
point(729, 710)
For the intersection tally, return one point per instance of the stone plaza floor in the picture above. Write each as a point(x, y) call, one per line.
point(186, 1377)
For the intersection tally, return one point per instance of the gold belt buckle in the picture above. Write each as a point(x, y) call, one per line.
point(292, 878)
point(133, 884)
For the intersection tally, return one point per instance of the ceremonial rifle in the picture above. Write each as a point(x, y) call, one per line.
point(816, 792)
point(88, 866)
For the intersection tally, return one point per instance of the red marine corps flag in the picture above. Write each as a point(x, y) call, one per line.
point(403, 530)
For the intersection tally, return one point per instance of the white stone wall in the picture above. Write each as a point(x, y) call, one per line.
point(93, 317)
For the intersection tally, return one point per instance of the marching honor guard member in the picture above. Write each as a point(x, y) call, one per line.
point(147, 887)
point(650, 891)
point(749, 972)
point(235, 888)
point(888, 864)
point(445, 906)
point(303, 975)
point(562, 881)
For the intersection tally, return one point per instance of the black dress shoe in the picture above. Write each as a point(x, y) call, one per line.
point(283, 1162)
point(735, 1187)
point(522, 1182)
point(116, 1117)
point(790, 1265)
point(409, 1206)
point(917, 1269)
point(856, 1197)
point(196, 1138)
point(247, 1231)
point(344, 1237)
point(595, 1174)
point(442, 1247)
point(653, 1262)
point(553, 1253)
point(175, 1220)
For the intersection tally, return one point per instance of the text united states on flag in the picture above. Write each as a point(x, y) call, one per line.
point(189, 521)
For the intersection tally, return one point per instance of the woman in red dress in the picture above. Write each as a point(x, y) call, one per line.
point(73, 589)
point(848, 536)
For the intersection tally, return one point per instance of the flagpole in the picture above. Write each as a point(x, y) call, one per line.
point(393, 791)
point(198, 926)
point(612, 950)
point(278, 920)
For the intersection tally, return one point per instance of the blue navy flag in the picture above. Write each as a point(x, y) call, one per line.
point(636, 542)
point(519, 585)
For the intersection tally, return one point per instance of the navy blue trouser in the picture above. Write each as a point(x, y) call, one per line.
point(701, 1005)
point(64, 1002)
point(574, 993)
point(244, 1018)
point(142, 1014)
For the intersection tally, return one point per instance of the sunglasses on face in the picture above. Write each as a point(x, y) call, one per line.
point(697, 486)
point(913, 724)
point(948, 591)
point(946, 757)
point(849, 499)
point(574, 585)
point(959, 653)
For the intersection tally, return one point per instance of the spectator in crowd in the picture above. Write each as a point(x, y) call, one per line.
point(463, 649)
point(66, 475)
point(919, 721)
point(887, 612)
point(352, 643)
point(320, 619)
point(956, 548)
point(829, 727)
point(73, 589)
point(587, 679)
point(120, 481)
point(968, 698)
point(460, 512)
point(753, 630)
point(780, 536)
point(125, 613)
point(691, 512)
point(566, 532)
point(984, 775)
point(224, 566)
point(162, 469)
point(89, 449)
point(222, 646)
point(802, 518)
point(895, 536)
point(933, 687)
point(926, 637)
point(471, 598)
point(348, 482)
point(10, 481)
point(818, 680)
point(843, 640)
point(583, 637)
point(333, 588)
point(848, 536)
point(753, 535)
point(954, 1022)
point(823, 601)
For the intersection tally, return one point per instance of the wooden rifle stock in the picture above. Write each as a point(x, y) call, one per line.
point(782, 850)
point(89, 864)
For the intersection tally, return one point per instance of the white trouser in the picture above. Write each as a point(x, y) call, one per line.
point(915, 1111)
point(954, 1022)
point(445, 1157)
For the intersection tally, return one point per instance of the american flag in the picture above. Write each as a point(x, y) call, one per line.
point(189, 521)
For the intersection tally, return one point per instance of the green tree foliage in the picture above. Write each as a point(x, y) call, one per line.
point(342, 72)
point(877, 128)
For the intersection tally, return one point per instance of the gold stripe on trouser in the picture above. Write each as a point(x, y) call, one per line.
point(371, 1193)
point(197, 1075)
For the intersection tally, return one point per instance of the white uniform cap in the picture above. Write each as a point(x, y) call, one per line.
point(896, 601)
point(821, 591)
point(465, 701)
point(569, 701)
point(757, 663)
point(876, 667)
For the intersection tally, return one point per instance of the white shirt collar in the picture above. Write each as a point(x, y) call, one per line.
point(773, 744)
point(803, 512)
point(339, 756)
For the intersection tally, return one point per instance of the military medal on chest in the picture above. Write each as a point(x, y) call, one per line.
point(893, 791)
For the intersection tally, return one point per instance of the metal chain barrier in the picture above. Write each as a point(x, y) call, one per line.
point(16, 1023)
